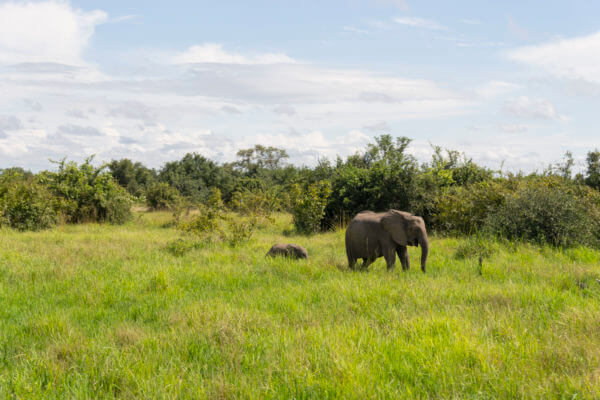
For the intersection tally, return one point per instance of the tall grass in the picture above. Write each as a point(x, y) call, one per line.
point(101, 311)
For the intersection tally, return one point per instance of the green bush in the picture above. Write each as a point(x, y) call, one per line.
point(380, 178)
point(464, 209)
point(180, 247)
point(215, 199)
point(550, 210)
point(25, 204)
point(85, 193)
point(161, 195)
point(194, 175)
point(134, 177)
point(309, 204)
point(476, 246)
point(255, 202)
point(210, 224)
point(205, 223)
point(239, 230)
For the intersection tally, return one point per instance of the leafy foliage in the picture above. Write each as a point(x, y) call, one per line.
point(309, 204)
point(240, 229)
point(86, 193)
point(160, 196)
point(181, 246)
point(255, 202)
point(593, 169)
point(194, 175)
point(24, 203)
point(381, 178)
point(475, 246)
point(548, 210)
point(134, 177)
point(212, 224)
point(451, 192)
point(464, 209)
point(205, 223)
point(251, 161)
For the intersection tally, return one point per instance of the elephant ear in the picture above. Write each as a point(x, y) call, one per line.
point(395, 224)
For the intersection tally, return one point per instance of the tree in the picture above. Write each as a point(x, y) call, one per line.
point(136, 178)
point(379, 179)
point(565, 169)
point(194, 175)
point(251, 161)
point(592, 178)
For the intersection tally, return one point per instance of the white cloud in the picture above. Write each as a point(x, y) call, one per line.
point(575, 58)
point(77, 130)
point(8, 123)
point(49, 31)
point(401, 4)
point(495, 88)
point(284, 109)
point(379, 127)
point(375, 97)
point(76, 113)
point(418, 23)
point(32, 105)
point(306, 148)
point(516, 30)
point(355, 30)
point(526, 107)
point(230, 109)
point(183, 110)
point(133, 110)
point(513, 128)
point(214, 53)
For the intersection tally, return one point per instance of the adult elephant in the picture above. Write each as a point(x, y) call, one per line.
point(372, 235)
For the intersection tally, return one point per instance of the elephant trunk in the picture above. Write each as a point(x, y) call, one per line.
point(424, 243)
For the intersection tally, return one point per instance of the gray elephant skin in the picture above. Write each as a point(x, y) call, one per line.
point(288, 250)
point(372, 235)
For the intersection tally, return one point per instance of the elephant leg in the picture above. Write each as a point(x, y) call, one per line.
point(404, 258)
point(366, 263)
point(390, 259)
point(352, 263)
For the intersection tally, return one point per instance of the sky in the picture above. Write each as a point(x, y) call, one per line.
point(512, 84)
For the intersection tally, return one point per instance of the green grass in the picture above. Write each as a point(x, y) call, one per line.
point(100, 311)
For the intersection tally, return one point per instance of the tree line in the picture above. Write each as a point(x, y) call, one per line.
point(451, 192)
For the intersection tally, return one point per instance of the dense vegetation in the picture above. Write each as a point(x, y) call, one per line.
point(451, 192)
point(180, 302)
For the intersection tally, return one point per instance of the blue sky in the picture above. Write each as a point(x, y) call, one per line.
point(513, 82)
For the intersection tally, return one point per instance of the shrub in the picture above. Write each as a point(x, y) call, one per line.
point(25, 204)
point(475, 246)
point(215, 200)
point(85, 193)
point(550, 210)
point(179, 247)
point(206, 223)
point(255, 202)
point(380, 178)
point(239, 230)
point(212, 224)
point(309, 204)
point(194, 175)
point(160, 196)
point(134, 177)
point(464, 209)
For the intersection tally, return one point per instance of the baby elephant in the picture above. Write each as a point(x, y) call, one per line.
point(288, 250)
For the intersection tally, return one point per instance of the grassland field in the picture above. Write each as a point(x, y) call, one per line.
point(103, 311)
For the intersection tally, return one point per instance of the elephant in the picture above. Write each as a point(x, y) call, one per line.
point(288, 250)
point(372, 235)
